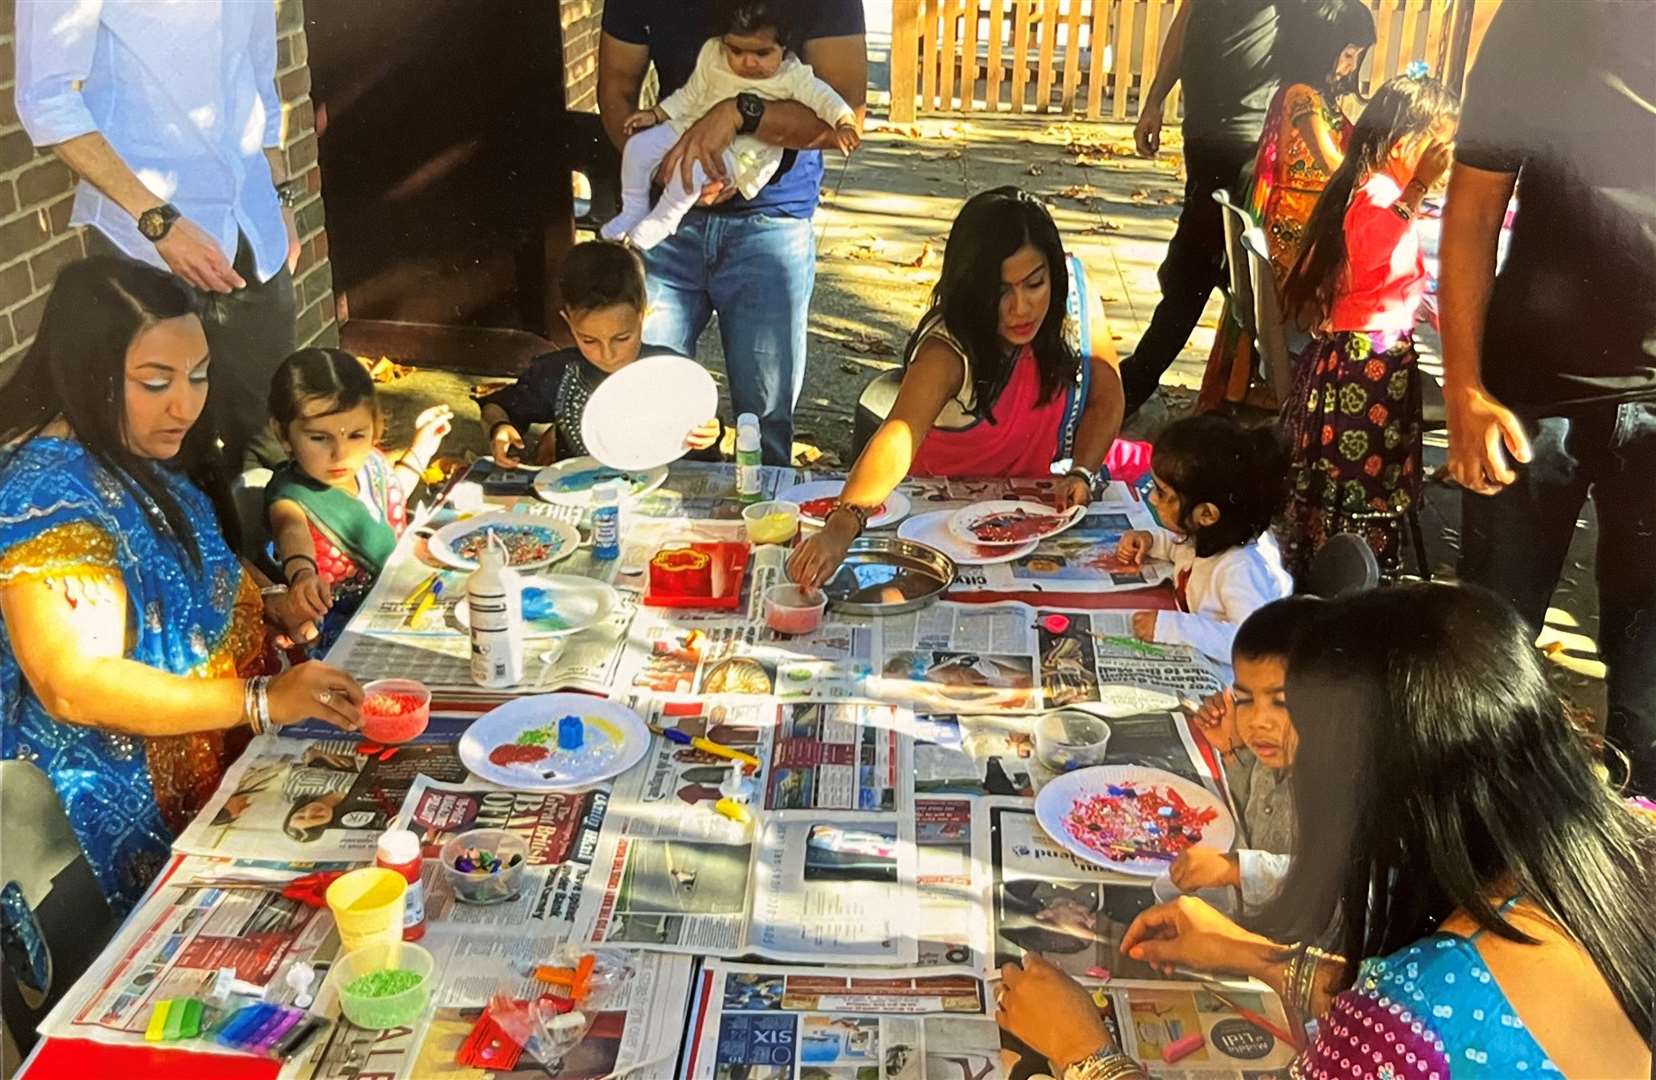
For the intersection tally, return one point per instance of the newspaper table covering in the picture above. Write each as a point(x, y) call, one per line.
point(304, 800)
point(756, 1022)
point(947, 657)
point(1082, 559)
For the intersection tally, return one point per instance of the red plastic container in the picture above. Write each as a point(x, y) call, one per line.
point(722, 588)
point(395, 710)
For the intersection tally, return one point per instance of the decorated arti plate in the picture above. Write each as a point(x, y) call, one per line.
point(1011, 522)
point(639, 417)
point(570, 483)
point(932, 529)
point(516, 744)
point(530, 541)
point(816, 499)
point(1132, 818)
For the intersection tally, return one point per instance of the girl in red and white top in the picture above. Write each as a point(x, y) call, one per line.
point(1353, 418)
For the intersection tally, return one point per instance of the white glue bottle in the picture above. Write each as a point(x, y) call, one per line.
point(747, 458)
point(494, 598)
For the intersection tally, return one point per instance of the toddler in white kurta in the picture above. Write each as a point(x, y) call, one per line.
point(749, 163)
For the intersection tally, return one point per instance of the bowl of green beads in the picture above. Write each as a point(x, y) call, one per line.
point(384, 985)
point(484, 865)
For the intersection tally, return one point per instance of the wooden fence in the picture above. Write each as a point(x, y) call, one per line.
point(1091, 57)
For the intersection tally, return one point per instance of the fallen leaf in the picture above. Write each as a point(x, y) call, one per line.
point(1138, 195)
point(1034, 169)
point(1105, 227)
point(385, 369)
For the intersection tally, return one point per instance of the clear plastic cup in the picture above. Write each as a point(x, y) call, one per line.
point(392, 728)
point(772, 522)
point(483, 887)
point(791, 610)
point(1069, 739)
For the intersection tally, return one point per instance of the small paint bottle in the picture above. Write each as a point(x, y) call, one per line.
point(399, 851)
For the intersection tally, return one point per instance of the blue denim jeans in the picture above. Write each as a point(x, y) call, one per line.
point(757, 272)
point(1515, 543)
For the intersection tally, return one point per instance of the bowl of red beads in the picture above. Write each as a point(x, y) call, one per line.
point(395, 710)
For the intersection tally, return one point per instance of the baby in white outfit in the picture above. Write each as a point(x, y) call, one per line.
point(749, 57)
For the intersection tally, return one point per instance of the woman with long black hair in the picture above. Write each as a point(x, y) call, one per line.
point(132, 639)
point(1492, 897)
point(1011, 370)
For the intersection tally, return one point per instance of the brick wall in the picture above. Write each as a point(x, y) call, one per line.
point(36, 191)
point(581, 25)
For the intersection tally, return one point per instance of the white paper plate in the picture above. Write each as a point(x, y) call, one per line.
point(616, 740)
point(570, 483)
point(639, 417)
point(447, 541)
point(960, 522)
point(1052, 807)
point(932, 529)
point(578, 603)
point(896, 504)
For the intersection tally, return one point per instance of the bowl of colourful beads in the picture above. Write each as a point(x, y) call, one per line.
point(384, 985)
point(484, 865)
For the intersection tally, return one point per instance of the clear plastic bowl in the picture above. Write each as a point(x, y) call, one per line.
point(791, 610)
point(480, 887)
point(393, 728)
point(772, 522)
point(1070, 739)
point(396, 1010)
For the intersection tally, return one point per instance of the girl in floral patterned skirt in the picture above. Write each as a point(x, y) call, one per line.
point(1353, 418)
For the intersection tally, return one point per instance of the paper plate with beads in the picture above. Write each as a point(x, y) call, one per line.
point(1131, 818)
point(816, 499)
point(517, 745)
point(571, 483)
point(530, 541)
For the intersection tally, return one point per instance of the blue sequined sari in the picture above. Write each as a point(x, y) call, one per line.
point(65, 519)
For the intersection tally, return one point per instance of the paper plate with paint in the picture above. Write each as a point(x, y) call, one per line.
point(816, 500)
point(555, 605)
point(571, 483)
point(1132, 818)
point(525, 744)
point(932, 529)
point(1011, 522)
point(530, 541)
point(639, 417)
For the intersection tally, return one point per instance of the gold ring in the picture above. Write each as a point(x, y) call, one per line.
point(325, 696)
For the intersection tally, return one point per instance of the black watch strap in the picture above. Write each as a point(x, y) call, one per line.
point(752, 109)
point(153, 224)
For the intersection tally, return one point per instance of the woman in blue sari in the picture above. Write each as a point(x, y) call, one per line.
point(132, 638)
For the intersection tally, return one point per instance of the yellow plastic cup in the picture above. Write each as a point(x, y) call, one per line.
point(367, 907)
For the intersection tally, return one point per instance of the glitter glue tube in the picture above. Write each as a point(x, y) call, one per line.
point(1182, 1048)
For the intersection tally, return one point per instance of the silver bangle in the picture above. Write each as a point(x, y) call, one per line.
point(1106, 1064)
point(260, 690)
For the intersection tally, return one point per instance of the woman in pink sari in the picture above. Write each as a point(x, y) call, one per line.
point(1011, 371)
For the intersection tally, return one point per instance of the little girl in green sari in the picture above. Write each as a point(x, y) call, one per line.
point(338, 505)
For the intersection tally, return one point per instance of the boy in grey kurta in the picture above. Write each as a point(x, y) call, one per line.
point(1250, 727)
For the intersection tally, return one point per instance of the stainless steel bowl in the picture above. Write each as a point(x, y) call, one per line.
point(883, 575)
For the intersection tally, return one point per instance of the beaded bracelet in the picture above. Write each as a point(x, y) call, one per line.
point(1108, 1064)
point(857, 512)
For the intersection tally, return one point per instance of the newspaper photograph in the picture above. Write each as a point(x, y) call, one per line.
point(839, 756)
point(1081, 559)
point(672, 652)
point(560, 828)
point(308, 800)
point(774, 1023)
point(974, 755)
point(672, 792)
point(835, 885)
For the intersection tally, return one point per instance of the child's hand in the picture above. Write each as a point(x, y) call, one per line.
point(847, 138)
point(638, 121)
point(1134, 546)
point(310, 594)
point(1204, 868)
point(705, 435)
point(429, 429)
point(1144, 625)
point(505, 444)
point(1434, 163)
point(1217, 718)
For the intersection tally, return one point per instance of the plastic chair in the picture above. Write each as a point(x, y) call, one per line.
point(1240, 289)
point(1345, 564)
point(54, 920)
point(873, 406)
point(1270, 334)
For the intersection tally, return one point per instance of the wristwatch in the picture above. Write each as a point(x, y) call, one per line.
point(154, 223)
point(752, 109)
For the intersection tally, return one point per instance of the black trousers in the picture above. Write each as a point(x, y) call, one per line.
point(1193, 267)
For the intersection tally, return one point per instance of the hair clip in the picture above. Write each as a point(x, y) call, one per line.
point(1417, 69)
